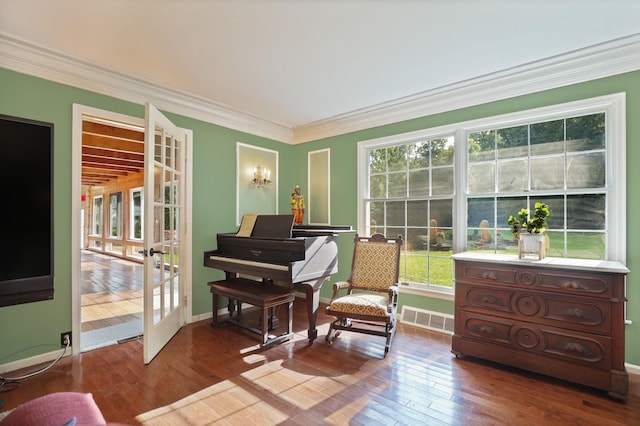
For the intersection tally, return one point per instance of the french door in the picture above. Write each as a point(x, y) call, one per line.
point(165, 272)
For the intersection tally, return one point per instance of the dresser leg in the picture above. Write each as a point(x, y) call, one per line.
point(619, 385)
point(459, 355)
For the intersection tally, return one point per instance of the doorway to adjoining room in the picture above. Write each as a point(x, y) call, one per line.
point(111, 277)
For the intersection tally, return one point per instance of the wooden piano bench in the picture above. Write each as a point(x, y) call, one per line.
point(265, 296)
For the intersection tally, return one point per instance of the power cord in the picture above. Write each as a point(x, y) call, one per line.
point(10, 383)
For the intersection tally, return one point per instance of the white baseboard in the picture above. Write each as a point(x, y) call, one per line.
point(201, 317)
point(632, 368)
point(31, 361)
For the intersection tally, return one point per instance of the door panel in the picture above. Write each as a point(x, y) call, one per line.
point(164, 281)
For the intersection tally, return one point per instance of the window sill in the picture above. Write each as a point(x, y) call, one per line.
point(427, 292)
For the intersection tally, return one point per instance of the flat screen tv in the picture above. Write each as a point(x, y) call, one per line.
point(26, 213)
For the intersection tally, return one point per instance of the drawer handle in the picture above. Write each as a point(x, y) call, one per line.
point(490, 300)
point(489, 276)
point(570, 284)
point(574, 312)
point(573, 347)
point(485, 329)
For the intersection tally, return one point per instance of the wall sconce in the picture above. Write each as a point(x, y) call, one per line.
point(261, 177)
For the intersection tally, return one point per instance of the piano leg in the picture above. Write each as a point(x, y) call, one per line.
point(312, 292)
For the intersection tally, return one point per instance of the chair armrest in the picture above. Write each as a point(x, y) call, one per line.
point(339, 286)
point(394, 290)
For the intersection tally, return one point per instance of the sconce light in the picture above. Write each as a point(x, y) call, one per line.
point(261, 177)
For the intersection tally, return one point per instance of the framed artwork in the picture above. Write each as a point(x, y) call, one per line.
point(319, 183)
point(256, 180)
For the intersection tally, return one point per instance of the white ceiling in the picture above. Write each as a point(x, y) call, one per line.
point(299, 62)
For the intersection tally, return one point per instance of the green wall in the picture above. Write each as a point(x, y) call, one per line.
point(34, 328)
point(31, 329)
point(344, 178)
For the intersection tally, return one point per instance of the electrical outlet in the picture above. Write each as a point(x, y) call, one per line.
point(63, 337)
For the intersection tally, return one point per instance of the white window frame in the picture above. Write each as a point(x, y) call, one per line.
point(99, 219)
point(119, 216)
point(614, 106)
point(364, 147)
point(132, 214)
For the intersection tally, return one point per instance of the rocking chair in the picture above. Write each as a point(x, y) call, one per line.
point(371, 300)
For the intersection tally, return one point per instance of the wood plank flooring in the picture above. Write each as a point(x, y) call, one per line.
point(419, 382)
point(111, 291)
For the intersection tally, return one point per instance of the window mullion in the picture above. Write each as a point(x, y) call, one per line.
point(460, 165)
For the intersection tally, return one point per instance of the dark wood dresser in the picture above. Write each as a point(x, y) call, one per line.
point(559, 317)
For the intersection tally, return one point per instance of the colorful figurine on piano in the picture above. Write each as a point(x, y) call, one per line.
point(297, 206)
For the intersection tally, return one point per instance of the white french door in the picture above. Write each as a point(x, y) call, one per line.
point(165, 269)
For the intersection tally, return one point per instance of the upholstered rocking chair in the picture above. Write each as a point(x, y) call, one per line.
point(370, 298)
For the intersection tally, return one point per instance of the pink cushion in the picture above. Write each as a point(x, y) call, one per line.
point(56, 409)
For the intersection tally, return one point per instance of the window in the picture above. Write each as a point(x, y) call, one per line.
point(115, 214)
point(451, 189)
point(561, 162)
point(136, 225)
point(96, 228)
point(410, 192)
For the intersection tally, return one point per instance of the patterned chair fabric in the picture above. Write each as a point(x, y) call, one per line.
point(371, 292)
point(362, 304)
point(374, 265)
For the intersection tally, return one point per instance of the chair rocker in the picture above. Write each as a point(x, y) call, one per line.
point(371, 300)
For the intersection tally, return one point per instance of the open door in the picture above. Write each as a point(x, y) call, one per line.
point(165, 229)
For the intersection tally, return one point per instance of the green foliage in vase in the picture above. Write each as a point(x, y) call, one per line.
point(534, 225)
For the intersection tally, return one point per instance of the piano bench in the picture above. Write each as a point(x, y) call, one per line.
point(256, 293)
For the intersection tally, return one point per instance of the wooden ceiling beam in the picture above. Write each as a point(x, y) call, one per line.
point(111, 144)
point(110, 153)
point(107, 167)
point(96, 171)
point(100, 152)
point(106, 130)
point(113, 161)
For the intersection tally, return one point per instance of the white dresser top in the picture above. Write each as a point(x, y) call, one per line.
point(551, 262)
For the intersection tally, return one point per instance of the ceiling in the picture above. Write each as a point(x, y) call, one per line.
point(297, 62)
point(110, 152)
point(300, 63)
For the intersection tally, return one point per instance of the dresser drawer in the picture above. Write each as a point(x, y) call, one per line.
point(479, 272)
point(573, 346)
point(576, 313)
point(592, 315)
point(490, 273)
point(594, 284)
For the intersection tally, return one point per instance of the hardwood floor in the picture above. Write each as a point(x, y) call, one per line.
point(419, 382)
point(111, 290)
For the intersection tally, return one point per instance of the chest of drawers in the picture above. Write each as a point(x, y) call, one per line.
point(559, 317)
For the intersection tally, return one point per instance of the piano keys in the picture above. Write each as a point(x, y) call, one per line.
point(302, 256)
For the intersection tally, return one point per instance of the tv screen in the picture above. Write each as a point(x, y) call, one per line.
point(26, 216)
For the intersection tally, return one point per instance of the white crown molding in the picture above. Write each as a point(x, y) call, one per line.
point(602, 60)
point(28, 58)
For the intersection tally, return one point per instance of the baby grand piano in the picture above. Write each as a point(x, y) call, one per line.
point(277, 252)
